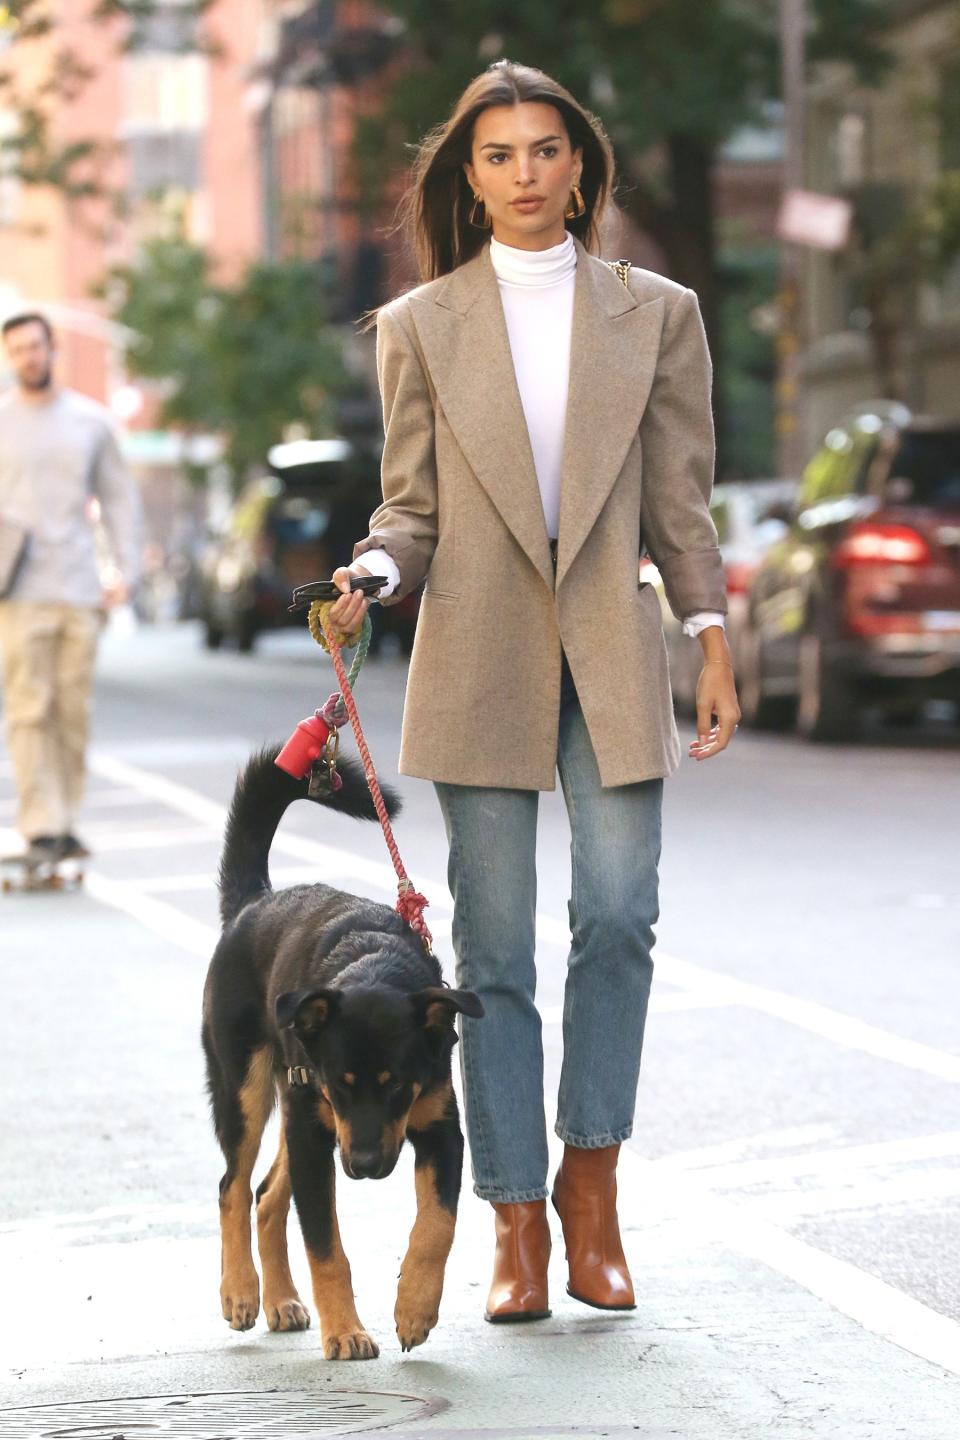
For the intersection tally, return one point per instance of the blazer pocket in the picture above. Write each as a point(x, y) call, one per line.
point(647, 594)
point(445, 596)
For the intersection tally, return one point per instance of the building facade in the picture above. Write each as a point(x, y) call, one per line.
point(881, 319)
point(168, 92)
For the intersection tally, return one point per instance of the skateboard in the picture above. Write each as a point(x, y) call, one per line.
point(27, 872)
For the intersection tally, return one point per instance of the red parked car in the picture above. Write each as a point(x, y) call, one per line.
point(859, 603)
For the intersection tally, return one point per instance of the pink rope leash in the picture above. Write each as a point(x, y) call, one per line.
point(410, 903)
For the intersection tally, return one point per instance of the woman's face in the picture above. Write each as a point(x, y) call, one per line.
point(523, 151)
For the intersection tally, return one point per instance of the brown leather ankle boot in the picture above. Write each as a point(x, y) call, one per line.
point(519, 1289)
point(585, 1198)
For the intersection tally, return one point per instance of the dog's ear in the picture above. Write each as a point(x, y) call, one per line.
point(306, 1011)
point(436, 1007)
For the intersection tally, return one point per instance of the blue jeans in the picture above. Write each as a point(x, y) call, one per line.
point(615, 851)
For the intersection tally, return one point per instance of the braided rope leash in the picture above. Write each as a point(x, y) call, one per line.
point(410, 903)
point(335, 710)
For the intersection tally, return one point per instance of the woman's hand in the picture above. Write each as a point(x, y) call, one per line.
point(347, 613)
point(716, 695)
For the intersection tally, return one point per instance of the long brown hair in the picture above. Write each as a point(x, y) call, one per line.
point(437, 228)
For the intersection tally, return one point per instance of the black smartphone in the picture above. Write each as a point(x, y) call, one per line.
point(327, 590)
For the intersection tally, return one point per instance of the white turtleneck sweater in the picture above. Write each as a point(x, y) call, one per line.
point(536, 288)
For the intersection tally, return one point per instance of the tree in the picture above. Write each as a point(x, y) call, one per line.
point(896, 248)
point(671, 80)
point(245, 361)
point(906, 231)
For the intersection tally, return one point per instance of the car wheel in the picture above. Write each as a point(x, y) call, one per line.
point(829, 708)
point(905, 714)
point(246, 634)
point(758, 710)
point(212, 636)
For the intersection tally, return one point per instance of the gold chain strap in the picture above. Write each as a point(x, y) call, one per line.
point(621, 268)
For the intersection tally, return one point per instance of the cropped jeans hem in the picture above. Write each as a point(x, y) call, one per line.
point(519, 1197)
point(594, 1142)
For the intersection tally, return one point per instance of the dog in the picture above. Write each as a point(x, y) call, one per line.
point(332, 1004)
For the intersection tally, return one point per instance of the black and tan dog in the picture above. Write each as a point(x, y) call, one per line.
point(331, 1002)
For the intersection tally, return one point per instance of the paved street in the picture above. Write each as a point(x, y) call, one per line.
point(791, 1196)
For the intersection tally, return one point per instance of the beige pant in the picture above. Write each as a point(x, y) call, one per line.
point(48, 654)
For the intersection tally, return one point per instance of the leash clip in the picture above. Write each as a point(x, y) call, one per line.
point(324, 780)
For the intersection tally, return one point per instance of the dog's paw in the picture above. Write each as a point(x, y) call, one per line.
point(350, 1345)
point(412, 1330)
point(289, 1314)
point(240, 1304)
point(416, 1313)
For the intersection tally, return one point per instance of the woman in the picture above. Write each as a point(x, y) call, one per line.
point(542, 423)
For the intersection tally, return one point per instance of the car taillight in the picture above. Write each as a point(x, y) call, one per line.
point(873, 542)
point(738, 576)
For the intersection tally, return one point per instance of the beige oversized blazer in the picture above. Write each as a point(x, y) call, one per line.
point(461, 507)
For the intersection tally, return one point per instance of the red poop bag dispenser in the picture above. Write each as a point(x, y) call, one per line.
point(304, 747)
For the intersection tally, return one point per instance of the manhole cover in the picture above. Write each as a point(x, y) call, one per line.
point(245, 1415)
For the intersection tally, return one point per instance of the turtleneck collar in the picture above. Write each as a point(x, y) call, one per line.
point(533, 267)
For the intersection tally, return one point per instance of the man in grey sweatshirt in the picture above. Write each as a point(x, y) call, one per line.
point(60, 470)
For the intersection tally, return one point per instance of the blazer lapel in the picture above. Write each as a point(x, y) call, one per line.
point(613, 352)
point(463, 331)
point(614, 344)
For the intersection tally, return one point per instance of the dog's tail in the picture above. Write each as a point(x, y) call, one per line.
point(262, 793)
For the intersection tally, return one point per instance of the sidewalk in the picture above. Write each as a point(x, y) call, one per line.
point(111, 1278)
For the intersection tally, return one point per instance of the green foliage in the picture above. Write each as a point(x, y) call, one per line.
point(937, 224)
point(749, 273)
point(244, 360)
point(25, 19)
point(920, 242)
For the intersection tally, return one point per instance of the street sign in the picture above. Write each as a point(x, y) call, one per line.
point(822, 221)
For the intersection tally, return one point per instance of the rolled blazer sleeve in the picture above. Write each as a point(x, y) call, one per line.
point(679, 451)
point(405, 525)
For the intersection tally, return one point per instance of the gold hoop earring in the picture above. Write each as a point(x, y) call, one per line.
point(579, 207)
point(472, 217)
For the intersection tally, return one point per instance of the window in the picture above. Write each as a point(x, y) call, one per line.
point(949, 115)
point(720, 513)
point(167, 26)
point(164, 161)
point(165, 93)
point(851, 148)
point(925, 469)
point(839, 466)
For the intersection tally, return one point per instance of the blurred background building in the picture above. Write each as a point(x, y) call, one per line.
point(239, 121)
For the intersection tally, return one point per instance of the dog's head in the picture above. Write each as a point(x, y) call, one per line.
point(383, 1057)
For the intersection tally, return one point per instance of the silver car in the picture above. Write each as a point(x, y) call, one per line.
point(750, 516)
